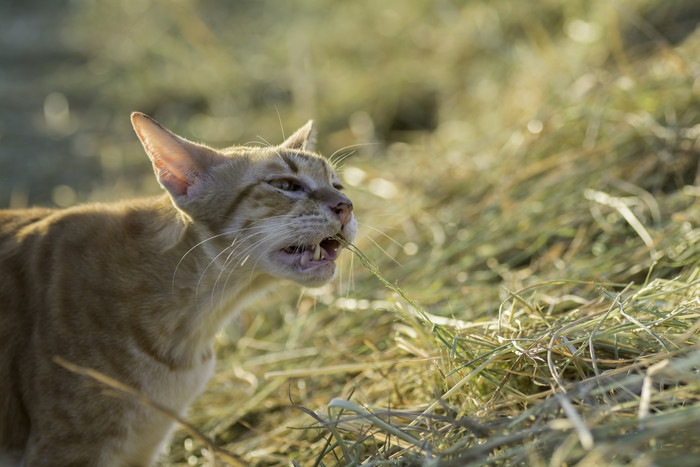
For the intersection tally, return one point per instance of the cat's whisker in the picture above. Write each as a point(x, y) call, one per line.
point(382, 233)
point(265, 143)
point(386, 253)
point(201, 243)
point(182, 258)
point(245, 254)
point(223, 268)
point(256, 143)
point(269, 237)
point(376, 244)
point(204, 272)
point(237, 238)
point(279, 118)
point(231, 259)
point(338, 163)
point(271, 234)
point(351, 285)
point(350, 279)
point(279, 155)
point(234, 254)
point(233, 247)
point(252, 223)
point(334, 162)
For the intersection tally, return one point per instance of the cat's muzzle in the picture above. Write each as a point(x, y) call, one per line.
point(309, 256)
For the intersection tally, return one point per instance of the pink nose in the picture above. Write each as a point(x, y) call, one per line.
point(343, 210)
point(336, 202)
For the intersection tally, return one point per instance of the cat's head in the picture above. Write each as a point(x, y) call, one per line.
point(278, 210)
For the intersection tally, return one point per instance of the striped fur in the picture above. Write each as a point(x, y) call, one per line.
point(138, 290)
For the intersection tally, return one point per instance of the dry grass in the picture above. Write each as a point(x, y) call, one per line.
point(526, 288)
point(533, 300)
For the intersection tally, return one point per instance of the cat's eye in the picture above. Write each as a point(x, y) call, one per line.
point(285, 184)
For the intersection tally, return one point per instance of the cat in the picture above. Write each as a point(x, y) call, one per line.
point(138, 290)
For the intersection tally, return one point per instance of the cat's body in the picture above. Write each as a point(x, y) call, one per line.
point(138, 290)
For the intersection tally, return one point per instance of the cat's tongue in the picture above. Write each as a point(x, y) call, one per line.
point(306, 258)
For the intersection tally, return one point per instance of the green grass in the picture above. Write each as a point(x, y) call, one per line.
point(530, 299)
point(525, 289)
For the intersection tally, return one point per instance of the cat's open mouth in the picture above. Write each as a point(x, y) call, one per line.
point(323, 252)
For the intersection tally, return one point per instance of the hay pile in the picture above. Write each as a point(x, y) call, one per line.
point(532, 297)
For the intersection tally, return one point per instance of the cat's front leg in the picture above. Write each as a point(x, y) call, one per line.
point(56, 452)
point(101, 430)
point(8, 459)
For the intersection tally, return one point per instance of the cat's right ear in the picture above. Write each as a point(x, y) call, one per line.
point(178, 164)
point(304, 139)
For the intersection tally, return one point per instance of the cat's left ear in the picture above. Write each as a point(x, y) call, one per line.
point(178, 164)
point(304, 139)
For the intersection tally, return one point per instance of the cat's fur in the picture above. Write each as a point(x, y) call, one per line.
point(138, 290)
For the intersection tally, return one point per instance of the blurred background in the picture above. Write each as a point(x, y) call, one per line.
point(223, 72)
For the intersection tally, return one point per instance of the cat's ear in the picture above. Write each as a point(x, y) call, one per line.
point(178, 164)
point(304, 139)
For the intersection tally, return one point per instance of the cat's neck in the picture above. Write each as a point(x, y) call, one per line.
point(193, 294)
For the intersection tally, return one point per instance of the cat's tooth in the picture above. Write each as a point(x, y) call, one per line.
point(317, 252)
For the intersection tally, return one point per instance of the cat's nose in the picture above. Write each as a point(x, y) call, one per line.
point(336, 202)
point(343, 210)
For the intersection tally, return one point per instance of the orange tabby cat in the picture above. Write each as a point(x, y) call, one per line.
point(138, 290)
